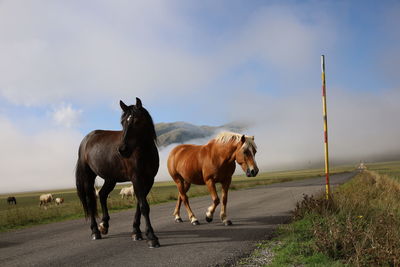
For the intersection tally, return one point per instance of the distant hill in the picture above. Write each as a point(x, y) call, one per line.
point(182, 132)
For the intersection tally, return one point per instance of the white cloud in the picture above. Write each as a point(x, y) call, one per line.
point(66, 116)
point(61, 50)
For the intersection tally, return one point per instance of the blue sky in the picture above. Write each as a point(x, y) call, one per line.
point(66, 64)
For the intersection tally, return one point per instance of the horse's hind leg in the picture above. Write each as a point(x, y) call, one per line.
point(210, 211)
point(182, 195)
point(176, 213)
point(85, 178)
point(225, 188)
point(103, 195)
point(92, 205)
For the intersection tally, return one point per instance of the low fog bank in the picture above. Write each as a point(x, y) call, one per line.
point(289, 131)
point(40, 161)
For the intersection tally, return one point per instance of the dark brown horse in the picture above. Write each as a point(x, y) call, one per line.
point(210, 164)
point(12, 200)
point(119, 156)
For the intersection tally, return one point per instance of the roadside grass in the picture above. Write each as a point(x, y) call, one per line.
point(28, 213)
point(293, 246)
point(358, 226)
point(391, 169)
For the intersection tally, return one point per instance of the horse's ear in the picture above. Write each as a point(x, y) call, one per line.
point(252, 137)
point(123, 106)
point(243, 139)
point(138, 102)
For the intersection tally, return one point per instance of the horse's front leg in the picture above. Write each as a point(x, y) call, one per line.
point(225, 188)
point(137, 234)
point(152, 239)
point(210, 211)
point(103, 195)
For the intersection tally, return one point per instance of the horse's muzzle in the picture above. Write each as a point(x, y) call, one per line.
point(251, 173)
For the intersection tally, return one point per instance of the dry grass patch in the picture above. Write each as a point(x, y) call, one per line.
point(360, 225)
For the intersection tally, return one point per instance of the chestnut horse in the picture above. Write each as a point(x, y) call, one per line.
point(209, 164)
point(119, 156)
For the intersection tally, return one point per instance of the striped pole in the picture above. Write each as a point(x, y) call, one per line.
point(328, 191)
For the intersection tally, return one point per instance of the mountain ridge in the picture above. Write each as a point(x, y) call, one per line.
point(181, 132)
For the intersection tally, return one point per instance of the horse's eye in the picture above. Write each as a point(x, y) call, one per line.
point(129, 118)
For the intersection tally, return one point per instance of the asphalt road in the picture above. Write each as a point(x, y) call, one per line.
point(255, 214)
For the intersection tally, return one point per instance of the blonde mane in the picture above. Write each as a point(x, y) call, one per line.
point(226, 137)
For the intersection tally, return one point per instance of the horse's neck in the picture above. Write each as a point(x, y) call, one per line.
point(142, 140)
point(226, 152)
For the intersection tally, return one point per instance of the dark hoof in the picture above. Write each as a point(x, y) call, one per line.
point(228, 223)
point(153, 243)
point(179, 220)
point(209, 219)
point(195, 223)
point(103, 230)
point(137, 237)
point(96, 236)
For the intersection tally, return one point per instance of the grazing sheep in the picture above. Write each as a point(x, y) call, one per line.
point(59, 200)
point(45, 198)
point(126, 191)
point(12, 200)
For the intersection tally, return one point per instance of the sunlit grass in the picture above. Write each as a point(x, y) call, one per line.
point(358, 226)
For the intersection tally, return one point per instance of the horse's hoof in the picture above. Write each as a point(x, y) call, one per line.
point(96, 236)
point(228, 223)
point(179, 220)
point(195, 222)
point(209, 219)
point(103, 230)
point(137, 237)
point(153, 243)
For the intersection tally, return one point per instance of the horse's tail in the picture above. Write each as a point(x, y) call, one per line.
point(85, 187)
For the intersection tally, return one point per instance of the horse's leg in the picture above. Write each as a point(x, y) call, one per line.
point(213, 191)
point(92, 208)
point(137, 233)
point(182, 195)
point(141, 193)
point(103, 195)
point(225, 188)
point(178, 203)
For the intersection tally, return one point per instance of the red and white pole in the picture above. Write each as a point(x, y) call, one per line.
point(325, 127)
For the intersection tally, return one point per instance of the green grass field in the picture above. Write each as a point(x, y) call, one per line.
point(27, 212)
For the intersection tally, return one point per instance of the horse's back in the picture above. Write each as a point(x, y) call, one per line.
point(186, 161)
point(98, 149)
point(98, 137)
